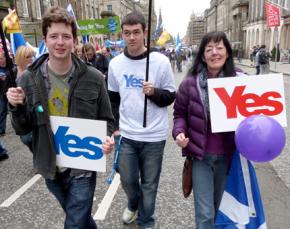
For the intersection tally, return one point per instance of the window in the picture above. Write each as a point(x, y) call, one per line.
point(109, 8)
point(24, 8)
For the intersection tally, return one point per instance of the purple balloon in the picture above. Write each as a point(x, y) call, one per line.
point(260, 138)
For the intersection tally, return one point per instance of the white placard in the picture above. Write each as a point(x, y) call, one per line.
point(78, 143)
point(232, 99)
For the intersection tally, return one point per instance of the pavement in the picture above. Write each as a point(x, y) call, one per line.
point(277, 67)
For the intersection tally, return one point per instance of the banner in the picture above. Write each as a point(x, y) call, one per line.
point(78, 143)
point(272, 15)
point(232, 99)
point(99, 26)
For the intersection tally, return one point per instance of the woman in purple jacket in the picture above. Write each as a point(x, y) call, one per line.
point(210, 152)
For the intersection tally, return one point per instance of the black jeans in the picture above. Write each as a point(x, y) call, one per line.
point(258, 70)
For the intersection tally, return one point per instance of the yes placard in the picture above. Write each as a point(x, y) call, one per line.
point(78, 143)
point(233, 99)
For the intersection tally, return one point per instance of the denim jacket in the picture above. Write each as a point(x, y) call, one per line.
point(87, 99)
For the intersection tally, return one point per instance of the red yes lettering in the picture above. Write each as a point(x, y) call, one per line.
point(266, 103)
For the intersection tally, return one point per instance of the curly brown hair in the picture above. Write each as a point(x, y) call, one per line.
point(57, 14)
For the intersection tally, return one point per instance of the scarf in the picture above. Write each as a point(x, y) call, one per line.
point(203, 77)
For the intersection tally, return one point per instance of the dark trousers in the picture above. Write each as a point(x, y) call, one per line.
point(3, 113)
point(75, 195)
point(258, 70)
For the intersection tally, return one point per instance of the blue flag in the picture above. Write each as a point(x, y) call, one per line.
point(17, 39)
point(41, 49)
point(241, 205)
point(177, 45)
point(159, 28)
point(85, 39)
point(71, 12)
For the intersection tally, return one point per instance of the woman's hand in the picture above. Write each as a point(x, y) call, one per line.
point(181, 140)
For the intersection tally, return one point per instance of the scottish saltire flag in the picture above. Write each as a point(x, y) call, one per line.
point(177, 45)
point(41, 49)
point(159, 28)
point(16, 40)
point(72, 13)
point(119, 43)
point(241, 206)
point(85, 39)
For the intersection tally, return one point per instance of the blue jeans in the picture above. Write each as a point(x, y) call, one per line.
point(26, 139)
point(209, 180)
point(141, 160)
point(2, 148)
point(75, 196)
point(3, 113)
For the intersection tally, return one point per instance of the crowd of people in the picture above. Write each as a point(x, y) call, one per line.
point(95, 85)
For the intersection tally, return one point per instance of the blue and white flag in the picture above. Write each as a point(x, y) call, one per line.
point(16, 40)
point(241, 206)
point(119, 43)
point(41, 49)
point(70, 9)
point(177, 45)
point(159, 28)
point(85, 39)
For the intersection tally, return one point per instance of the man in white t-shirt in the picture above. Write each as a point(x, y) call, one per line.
point(141, 148)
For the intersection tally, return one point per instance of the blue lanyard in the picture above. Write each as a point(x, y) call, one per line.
point(114, 166)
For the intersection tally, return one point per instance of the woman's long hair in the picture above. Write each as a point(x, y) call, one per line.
point(199, 64)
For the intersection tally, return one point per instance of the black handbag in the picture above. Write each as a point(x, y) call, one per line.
point(187, 177)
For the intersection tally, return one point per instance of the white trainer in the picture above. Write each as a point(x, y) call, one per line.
point(129, 216)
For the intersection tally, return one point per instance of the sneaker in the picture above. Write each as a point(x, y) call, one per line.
point(129, 216)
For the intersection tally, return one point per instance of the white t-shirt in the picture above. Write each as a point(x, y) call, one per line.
point(125, 76)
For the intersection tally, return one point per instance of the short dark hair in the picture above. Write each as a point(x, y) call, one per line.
point(199, 64)
point(134, 18)
point(57, 14)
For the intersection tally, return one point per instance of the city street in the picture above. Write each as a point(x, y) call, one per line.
point(25, 202)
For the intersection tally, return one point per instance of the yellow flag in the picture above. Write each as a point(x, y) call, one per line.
point(165, 36)
point(11, 23)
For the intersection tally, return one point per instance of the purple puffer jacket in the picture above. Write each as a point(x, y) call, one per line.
point(190, 119)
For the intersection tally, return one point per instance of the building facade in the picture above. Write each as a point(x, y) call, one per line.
point(30, 12)
point(195, 30)
point(244, 21)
